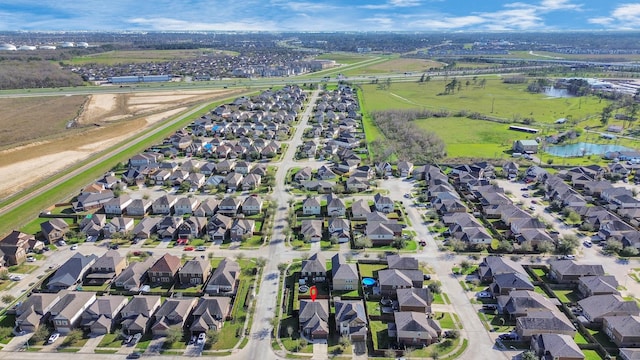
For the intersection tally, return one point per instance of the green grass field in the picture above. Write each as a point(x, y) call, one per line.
point(118, 57)
point(345, 58)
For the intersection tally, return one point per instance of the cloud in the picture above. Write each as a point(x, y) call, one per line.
point(175, 25)
point(625, 16)
point(390, 4)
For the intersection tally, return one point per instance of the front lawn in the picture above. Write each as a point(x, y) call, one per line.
point(111, 341)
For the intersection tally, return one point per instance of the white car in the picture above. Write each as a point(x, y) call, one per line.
point(62, 243)
point(53, 338)
point(15, 277)
point(74, 247)
point(484, 294)
point(31, 259)
point(201, 338)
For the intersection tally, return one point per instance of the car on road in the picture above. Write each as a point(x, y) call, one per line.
point(114, 246)
point(74, 247)
point(484, 295)
point(524, 189)
point(201, 339)
point(532, 208)
point(587, 243)
point(189, 248)
point(525, 195)
point(134, 355)
point(31, 259)
point(201, 248)
point(53, 338)
point(15, 277)
point(567, 257)
point(423, 243)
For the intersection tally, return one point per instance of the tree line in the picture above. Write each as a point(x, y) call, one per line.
point(405, 139)
point(35, 74)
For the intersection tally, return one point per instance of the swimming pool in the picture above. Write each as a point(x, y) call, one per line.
point(368, 281)
point(582, 149)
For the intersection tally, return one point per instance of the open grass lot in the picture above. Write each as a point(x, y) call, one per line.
point(26, 119)
point(398, 65)
point(119, 57)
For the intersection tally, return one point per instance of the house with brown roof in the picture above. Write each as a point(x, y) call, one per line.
point(224, 278)
point(54, 230)
point(164, 270)
point(416, 300)
point(414, 329)
point(172, 312)
point(102, 316)
point(313, 318)
point(194, 272)
point(106, 268)
point(314, 269)
point(16, 245)
point(241, 229)
point(34, 310)
point(210, 313)
point(344, 276)
point(351, 320)
point(137, 314)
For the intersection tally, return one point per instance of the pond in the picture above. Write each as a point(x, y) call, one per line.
point(582, 149)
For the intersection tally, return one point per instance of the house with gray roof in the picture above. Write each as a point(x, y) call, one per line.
point(521, 302)
point(194, 272)
point(311, 206)
point(344, 275)
point(71, 272)
point(133, 275)
point(414, 329)
point(224, 278)
point(34, 310)
point(66, 314)
point(402, 262)
point(570, 271)
point(209, 313)
point(137, 314)
point(629, 354)
point(172, 312)
point(313, 318)
point(415, 299)
point(106, 268)
point(311, 230)
point(314, 269)
point(360, 209)
point(503, 284)
point(556, 346)
point(597, 285)
point(102, 316)
point(544, 322)
point(146, 227)
point(494, 265)
point(351, 320)
point(392, 279)
point(624, 331)
point(595, 308)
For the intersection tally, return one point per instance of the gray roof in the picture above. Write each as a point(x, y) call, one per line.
point(195, 266)
point(493, 265)
point(71, 303)
point(523, 301)
point(350, 310)
point(399, 277)
point(571, 267)
point(106, 306)
point(559, 346)
point(314, 314)
point(625, 325)
point(601, 305)
point(402, 262)
point(314, 264)
point(414, 297)
point(600, 284)
point(109, 260)
point(141, 305)
point(72, 270)
point(225, 274)
point(629, 354)
point(340, 269)
point(545, 320)
point(513, 280)
point(134, 272)
point(411, 322)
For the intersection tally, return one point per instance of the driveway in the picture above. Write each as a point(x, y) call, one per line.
point(91, 344)
point(320, 351)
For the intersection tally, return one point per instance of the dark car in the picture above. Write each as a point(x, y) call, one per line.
point(489, 307)
point(134, 355)
point(509, 336)
point(427, 277)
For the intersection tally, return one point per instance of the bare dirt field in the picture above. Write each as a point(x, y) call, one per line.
point(24, 165)
point(403, 65)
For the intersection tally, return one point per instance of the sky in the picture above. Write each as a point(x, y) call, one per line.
point(319, 15)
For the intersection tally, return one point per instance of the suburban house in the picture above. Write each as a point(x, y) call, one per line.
point(624, 331)
point(416, 300)
point(503, 284)
point(351, 320)
point(194, 272)
point(414, 329)
point(311, 230)
point(164, 205)
point(252, 205)
point(102, 316)
point(106, 268)
point(139, 207)
point(192, 227)
point(344, 275)
point(136, 315)
point(494, 265)
point(219, 226)
point(71, 272)
point(629, 354)
point(521, 302)
point(544, 322)
point(16, 245)
point(54, 229)
point(229, 206)
point(241, 228)
point(209, 313)
point(164, 270)
point(556, 346)
point(146, 227)
point(569, 271)
point(405, 168)
point(186, 205)
point(313, 318)
point(66, 314)
point(311, 206)
point(133, 275)
point(88, 201)
point(34, 310)
point(208, 207)
point(382, 203)
point(224, 278)
point(360, 210)
point(92, 225)
point(314, 269)
point(117, 224)
point(392, 279)
point(383, 232)
point(172, 312)
point(402, 262)
point(117, 205)
point(597, 285)
point(335, 206)
point(595, 308)
point(339, 229)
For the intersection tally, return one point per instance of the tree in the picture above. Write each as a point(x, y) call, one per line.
point(399, 243)
point(363, 242)
point(505, 246)
point(568, 243)
point(573, 217)
point(458, 245)
point(529, 355)
point(212, 338)
point(465, 265)
point(605, 115)
point(8, 298)
point(282, 267)
point(390, 353)
point(72, 337)
point(174, 333)
point(435, 287)
point(5, 332)
point(40, 335)
point(612, 246)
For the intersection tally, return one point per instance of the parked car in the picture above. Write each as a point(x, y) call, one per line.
point(489, 307)
point(567, 257)
point(15, 277)
point(128, 339)
point(201, 248)
point(423, 243)
point(426, 277)
point(74, 247)
point(53, 338)
point(525, 195)
point(201, 339)
point(136, 338)
point(587, 243)
point(188, 248)
point(62, 242)
point(508, 336)
point(484, 295)
point(31, 259)
point(134, 355)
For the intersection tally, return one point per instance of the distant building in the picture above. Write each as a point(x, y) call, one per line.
point(139, 79)
point(525, 146)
